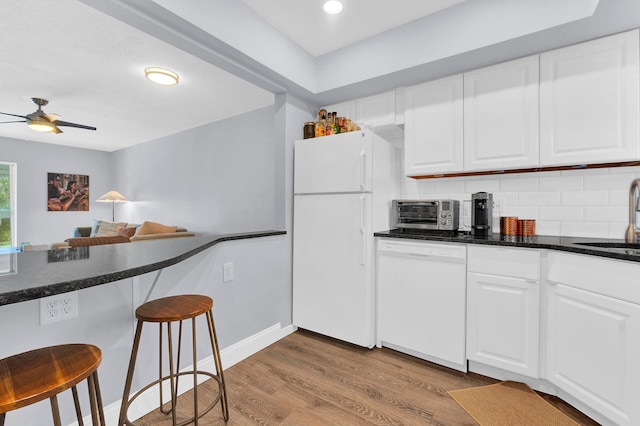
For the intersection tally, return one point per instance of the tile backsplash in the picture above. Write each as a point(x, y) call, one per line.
point(577, 203)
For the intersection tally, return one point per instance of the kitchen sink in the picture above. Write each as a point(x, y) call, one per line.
point(612, 245)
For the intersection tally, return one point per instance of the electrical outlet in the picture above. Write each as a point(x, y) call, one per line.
point(227, 272)
point(59, 307)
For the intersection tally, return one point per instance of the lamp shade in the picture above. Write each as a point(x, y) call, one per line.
point(113, 197)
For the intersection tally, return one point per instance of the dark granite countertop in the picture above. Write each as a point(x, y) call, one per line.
point(568, 244)
point(38, 274)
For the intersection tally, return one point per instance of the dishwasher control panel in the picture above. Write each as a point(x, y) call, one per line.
point(444, 251)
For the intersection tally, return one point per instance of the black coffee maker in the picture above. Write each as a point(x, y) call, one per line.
point(481, 213)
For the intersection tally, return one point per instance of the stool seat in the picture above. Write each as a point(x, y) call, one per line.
point(174, 308)
point(44, 373)
point(36, 375)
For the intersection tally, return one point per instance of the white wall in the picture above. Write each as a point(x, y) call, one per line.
point(216, 178)
point(34, 160)
point(577, 203)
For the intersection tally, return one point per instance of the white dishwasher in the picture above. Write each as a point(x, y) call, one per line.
point(422, 300)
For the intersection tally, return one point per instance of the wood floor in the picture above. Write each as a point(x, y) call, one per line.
point(308, 379)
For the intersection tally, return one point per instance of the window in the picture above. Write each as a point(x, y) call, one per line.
point(8, 237)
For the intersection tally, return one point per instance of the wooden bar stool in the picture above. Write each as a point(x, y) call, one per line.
point(165, 311)
point(43, 373)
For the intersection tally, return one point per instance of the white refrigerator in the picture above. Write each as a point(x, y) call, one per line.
point(343, 187)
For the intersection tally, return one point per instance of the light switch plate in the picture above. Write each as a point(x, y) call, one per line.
point(227, 272)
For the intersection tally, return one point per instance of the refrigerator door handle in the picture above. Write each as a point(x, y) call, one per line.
point(363, 207)
point(363, 171)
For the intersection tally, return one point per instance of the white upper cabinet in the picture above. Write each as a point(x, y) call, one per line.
point(589, 102)
point(434, 127)
point(377, 110)
point(373, 111)
point(501, 116)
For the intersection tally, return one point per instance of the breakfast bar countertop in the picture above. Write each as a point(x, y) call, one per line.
point(32, 275)
point(614, 248)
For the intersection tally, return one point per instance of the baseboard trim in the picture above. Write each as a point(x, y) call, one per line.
point(230, 356)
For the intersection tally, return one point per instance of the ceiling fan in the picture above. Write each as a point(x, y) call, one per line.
point(42, 122)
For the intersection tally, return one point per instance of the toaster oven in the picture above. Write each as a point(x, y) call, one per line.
point(438, 215)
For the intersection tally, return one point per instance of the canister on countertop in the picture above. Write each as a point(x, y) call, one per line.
point(508, 225)
point(527, 227)
point(309, 130)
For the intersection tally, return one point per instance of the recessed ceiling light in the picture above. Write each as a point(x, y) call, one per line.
point(161, 76)
point(333, 7)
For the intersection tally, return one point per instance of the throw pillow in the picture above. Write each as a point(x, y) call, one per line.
point(154, 228)
point(103, 228)
point(127, 232)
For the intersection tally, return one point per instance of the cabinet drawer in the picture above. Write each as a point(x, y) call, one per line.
point(508, 262)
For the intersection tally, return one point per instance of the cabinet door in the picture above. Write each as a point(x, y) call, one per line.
point(501, 116)
point(589, 102)
point(592, 351)
point(377, 110)
point(434, 127)
point(502, 322)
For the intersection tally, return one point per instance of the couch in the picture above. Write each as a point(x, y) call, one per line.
point(103, 232)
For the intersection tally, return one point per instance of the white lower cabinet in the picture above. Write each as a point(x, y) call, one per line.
point(503, 308)
point(593, 334)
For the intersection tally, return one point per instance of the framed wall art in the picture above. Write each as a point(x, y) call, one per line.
point(67, 192)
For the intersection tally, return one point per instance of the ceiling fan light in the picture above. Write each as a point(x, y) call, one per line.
point(332, 7)
point(161, 76)
point(40, 125)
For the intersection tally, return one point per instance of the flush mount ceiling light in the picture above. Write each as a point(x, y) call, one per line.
point(161, 76)
point(332, 7)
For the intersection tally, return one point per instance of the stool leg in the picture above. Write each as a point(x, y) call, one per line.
point(178, 359)
point(2, 416)
point(172, 374)
point(127, 384)
point(96, 385)
point(76, 402)
point(94, 400)
point(195, 371)
point(160, 366)
point(55, 410)
point(218, 362)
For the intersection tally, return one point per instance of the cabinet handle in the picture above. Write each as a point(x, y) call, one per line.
point(363, 171)
point(363, 254)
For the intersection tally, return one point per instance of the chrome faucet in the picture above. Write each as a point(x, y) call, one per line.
point(631, 236)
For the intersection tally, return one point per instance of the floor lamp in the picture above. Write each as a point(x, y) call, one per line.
point(113, 197)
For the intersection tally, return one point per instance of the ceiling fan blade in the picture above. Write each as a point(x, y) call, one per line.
point(51, 117)
point(14, 115)
point(17, 121)
point(79, 126)
point(56, 130)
